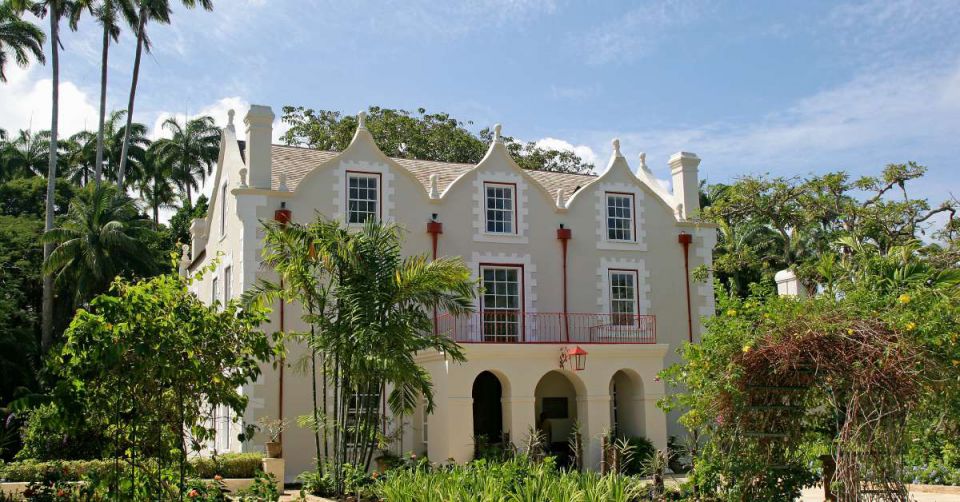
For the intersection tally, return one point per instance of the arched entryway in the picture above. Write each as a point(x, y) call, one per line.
point(556, 411)
point(626, 404)
point(487, 409)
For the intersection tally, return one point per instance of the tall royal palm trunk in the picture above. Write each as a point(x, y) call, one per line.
point(133, 92)
point(98, 167)
point(46, 335)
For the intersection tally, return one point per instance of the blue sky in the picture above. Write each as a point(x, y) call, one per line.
point(782, 87)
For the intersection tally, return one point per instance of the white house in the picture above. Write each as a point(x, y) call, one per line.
point(599, 263)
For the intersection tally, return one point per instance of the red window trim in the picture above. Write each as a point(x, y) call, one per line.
point(523, 291)
point(636, 287)
point(346, 192)
point(516, 225)
point(633, 214)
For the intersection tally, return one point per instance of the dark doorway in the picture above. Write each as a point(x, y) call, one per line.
point(487, 408)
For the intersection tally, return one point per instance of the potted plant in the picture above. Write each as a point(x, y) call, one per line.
point(272, 427)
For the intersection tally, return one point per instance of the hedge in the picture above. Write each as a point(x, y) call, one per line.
point(228, 465)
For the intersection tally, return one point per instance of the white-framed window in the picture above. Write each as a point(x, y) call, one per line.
point(354, 417)
point(500, 207)
point(502, 302)
point(227, 280)
point(221, 427)
point(623, 297)
point(214, 291)
point(620, 217)
point(223, 209)
point(363, 196)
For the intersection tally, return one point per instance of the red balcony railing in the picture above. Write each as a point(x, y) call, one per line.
point(516, 327)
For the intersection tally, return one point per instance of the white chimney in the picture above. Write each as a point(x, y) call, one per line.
point(259, 122)
point(686, 185)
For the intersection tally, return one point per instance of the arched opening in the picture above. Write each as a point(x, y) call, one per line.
point(487, 409)
point(556, 412)
point(626, 404)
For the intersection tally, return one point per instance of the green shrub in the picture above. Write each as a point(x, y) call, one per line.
point(516, 479)
point(263, 489)
point(641, 450)
point(68, 470)
point(46, 436)
point(228, 465)
point(316, 484)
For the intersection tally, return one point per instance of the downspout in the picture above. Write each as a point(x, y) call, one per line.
point(434, 228)
point(282, 216)
point(563, 235)
point(685, 239)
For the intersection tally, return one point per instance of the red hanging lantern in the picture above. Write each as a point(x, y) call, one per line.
point(577, 357)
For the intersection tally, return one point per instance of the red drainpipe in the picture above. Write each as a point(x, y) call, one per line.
point(685, 239)
point(564, 235)
point(282, 216)
point(434, 228)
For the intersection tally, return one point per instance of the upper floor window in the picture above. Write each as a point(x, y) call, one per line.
point(620, 217)
point(214, 291)
point(363, 197)
point(623, 296)
point(223, 209)
point(501, 307)
point(501, 208)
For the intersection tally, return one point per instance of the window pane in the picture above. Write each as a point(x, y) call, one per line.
point(499, 209)
point(362, 198)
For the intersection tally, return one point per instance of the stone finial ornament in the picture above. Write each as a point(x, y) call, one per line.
point(184, 259)
point(230, 114)
point(496, 133)
point(434, 186)
point(616, 147)
point(243, 177)
point(561, 198)
point(362, 120)
point(643, 161)
point(678, 211)
point(283, 183)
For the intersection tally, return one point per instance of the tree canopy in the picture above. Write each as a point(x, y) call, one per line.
point(419, 135)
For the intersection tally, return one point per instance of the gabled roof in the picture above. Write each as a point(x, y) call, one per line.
point(296, 162)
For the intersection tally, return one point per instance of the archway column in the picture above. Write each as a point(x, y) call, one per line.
point(459, 437)
point(654, 420)
point(594, 413)
point(520, 410)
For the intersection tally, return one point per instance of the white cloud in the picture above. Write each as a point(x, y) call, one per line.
point(880, 115)
point(583, 151)
point(25, 103)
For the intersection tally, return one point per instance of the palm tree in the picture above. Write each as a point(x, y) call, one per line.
point(157, 188)
point(103, 235)
point(192, 151)
point(157, 11)
point(53, 10)
point(107, 13)
point(19, 38)
point(79, 154)
point(25, 155)
point(113, 134)
point(370, 310)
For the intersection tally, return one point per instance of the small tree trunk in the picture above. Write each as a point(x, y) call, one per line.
point(46, 337)
point(98, 167)
point(133, 94)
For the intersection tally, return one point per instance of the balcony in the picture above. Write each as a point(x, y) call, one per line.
point(516, 327)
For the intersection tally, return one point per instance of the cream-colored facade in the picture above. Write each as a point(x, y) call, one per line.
point(625, 282)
